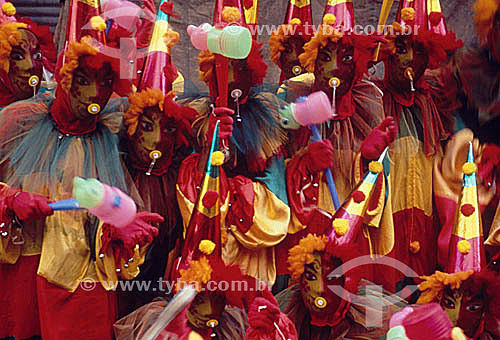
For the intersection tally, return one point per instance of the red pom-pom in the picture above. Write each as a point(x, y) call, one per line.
point(467, 209)
point(435, 18)
point(209, 199)
point(358, 196)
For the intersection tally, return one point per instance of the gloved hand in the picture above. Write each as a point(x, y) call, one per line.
point(378, 139)
point(29, 207)
point(221, 114)
point(262, 315)
point(319, 156)
point(489, 166)
point(123, 240)
point(146, 25)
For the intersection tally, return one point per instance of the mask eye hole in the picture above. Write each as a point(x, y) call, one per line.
point(475, 307)
point(448, 303)
point(347, 59)
point(146, 126)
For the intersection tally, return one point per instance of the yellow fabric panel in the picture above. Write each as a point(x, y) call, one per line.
point(270, 220)
point(411, 176)
point(494, 237)
point(65, 256)
point(157, 43)
point(178, 84)
point(258, 263)
point(448, 168)
point(380, 230)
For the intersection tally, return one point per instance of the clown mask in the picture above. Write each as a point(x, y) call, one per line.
point(25, 61)
point(205, 311)
point(289, 58)
point(335, 60)
point(325, 306)
point(408, 62)
point(465, 309)
point(155, 133)
point(90, 86)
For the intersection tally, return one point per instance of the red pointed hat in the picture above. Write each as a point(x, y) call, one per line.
point(229, 12)
point(343, 10)
point(80, 22)
point(299, 9)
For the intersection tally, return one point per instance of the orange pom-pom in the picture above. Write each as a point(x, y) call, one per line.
point(231, 14)
point(408, 14)
point(414, 247)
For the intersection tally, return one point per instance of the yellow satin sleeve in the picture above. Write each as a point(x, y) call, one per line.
point(270, 220)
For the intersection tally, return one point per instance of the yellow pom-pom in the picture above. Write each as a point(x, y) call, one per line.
point(375, 167)
point(206, 247)
point(464, 246)
point(295, 21)
point(341, 226)
point(98, 23)
point(217, 158)
point(231, 14)
point(469, 168)
point(8, 9)
point(414, 247)
point(408, 14)
point(329, 19)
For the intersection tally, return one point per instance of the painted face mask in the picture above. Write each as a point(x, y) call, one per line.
point(334, 60)
point(326, 307)
point(409, 62)
point(25, 61)
point(289, 58)
point(465, 309)
point(90, 86)
point(205, 311)
point(155, 132)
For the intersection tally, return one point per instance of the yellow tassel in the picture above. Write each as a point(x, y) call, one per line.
point(206, 247)
point(341, 226)
point(463, 246)
point(217, 158)
point(295, 21)
point(375, 167)
point(469, 168)
point(8, 9)
point(98, 23)
point(329, 19)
